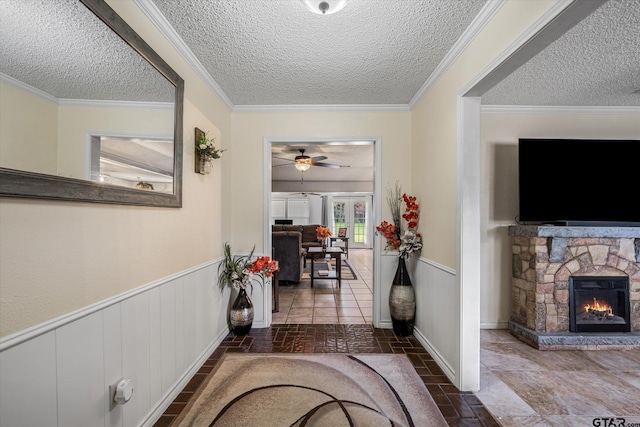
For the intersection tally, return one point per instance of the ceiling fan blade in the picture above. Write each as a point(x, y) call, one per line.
point(319, 158)
point(329, 165)
point(284, 164)
point(305, 194)
point(282, 158)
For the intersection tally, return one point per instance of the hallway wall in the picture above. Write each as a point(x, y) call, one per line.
point(93, 292)
point(59, 373)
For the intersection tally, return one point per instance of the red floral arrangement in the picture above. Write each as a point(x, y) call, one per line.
point(263, 265)
point(411, 214)
point(390, 232)
point(410, 240)
point(323, 232)
point(238, 270)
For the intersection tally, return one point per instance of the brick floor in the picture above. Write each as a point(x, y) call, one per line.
point(459, 408)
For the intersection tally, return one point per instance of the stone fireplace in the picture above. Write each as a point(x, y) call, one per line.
point(546, 260)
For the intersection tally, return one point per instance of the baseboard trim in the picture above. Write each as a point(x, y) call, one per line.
point(446, 368)
point(385, 324)
point(494, 325)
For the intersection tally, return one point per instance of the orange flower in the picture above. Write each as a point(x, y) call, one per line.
point(410, 201)
point(410, 215)
point(323, 232)
point(263, 265)
point(411, 211)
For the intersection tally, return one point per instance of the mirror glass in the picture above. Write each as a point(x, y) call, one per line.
point(88, 111)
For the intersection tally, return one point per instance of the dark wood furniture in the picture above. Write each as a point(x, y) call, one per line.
point(314, 253)
point(346, 244)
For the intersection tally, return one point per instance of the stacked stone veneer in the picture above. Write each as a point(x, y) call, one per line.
point(545, 257)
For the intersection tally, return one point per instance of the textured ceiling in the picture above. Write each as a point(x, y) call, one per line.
point(276, 52)
point(272, 52)
point(63, 49)
point(597, 63)
point(267, 52)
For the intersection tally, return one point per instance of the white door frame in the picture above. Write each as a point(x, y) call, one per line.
point(375, 209)
point(554, 23)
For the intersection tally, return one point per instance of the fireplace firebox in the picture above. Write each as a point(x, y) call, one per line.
point(599, 304)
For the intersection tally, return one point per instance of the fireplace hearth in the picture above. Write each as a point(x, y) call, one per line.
point(599, 304)
point(576, 287)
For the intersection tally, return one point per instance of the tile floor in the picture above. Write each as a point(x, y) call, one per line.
point(522, 386)
point(325, 303)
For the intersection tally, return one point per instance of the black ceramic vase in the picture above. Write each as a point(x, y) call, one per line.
point(402, 301)
point(241, 314)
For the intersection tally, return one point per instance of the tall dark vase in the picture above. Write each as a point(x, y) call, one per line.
point(241, 314)
point(402, 301)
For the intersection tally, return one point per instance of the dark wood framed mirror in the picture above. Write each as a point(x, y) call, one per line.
point(118, 79)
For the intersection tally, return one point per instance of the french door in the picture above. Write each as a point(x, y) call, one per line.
point(353, 213)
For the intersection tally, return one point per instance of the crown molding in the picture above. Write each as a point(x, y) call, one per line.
point(98, 103)
point(157, 18)
point(27, 88)
point(322, 108)
point(557, 109)
point(487, 12)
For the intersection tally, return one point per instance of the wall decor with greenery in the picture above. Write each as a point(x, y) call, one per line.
point(205, 152)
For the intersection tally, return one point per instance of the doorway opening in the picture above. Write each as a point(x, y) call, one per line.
point(350, 179)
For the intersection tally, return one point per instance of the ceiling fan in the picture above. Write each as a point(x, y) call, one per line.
point(304, 194)
point(302, 162)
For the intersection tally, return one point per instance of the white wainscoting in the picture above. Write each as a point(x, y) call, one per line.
point(58, 373)
point(437, 324)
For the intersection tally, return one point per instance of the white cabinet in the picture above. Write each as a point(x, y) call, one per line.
point(279, 208)
point(296, 210)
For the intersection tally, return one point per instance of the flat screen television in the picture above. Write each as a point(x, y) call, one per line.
point(579, 182)
point(283, 222)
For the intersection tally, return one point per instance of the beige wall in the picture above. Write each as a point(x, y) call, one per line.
point(57, 257)
point(75, 122)
point(434, 129)
point(499, 188)
point(249, 131)
point(55, 142)
point(434, 173)
point(28, 131)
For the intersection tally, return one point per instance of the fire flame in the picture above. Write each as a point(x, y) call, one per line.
point(598, 306)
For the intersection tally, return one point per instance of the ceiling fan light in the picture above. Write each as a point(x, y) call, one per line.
point(302, 159)
point(302, 167)
point(302, 162)
point(324, 7)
